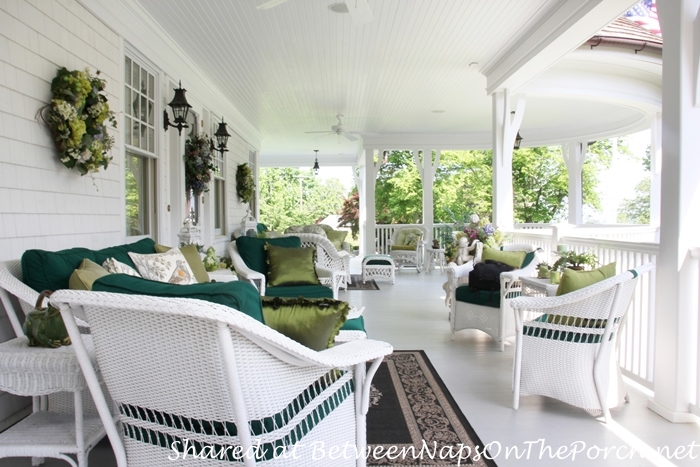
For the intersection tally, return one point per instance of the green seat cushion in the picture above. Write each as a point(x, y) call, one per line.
point(194, 260)
point(355, 324)
point(313, 322)
point(408, 237)
point(478, 297)
point(240, 295)
point(252, 250)
point(87, 273)
point(337, 237)
point(384, 262)
point(308, 291)
point(403, 247)
point(290, 266)
point(51, 270)
point(511, 258)
point(574, 280)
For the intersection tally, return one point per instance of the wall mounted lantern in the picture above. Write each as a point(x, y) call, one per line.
point(222, 137)
point(180, 108)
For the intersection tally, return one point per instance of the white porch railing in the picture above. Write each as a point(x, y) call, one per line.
point(636, 343)
point(625, 232)
point(695, 406)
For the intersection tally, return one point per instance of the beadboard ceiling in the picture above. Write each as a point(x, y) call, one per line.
point(291, 68)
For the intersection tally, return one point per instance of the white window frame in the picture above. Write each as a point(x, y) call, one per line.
point(150, 153)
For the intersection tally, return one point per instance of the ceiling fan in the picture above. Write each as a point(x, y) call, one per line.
point(359, 9)
point(339, 129)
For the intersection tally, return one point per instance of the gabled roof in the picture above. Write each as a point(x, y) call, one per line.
point(623, 32)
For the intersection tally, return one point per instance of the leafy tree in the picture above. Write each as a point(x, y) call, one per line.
point(540, 184)
point(637, 210)
point(289, 196)
point(350, 213)
point(399, 191)
point(462, 185)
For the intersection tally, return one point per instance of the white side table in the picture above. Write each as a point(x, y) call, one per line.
point(436, 255)
point(535, 287)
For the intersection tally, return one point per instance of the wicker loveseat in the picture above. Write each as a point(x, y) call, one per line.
point(336, 237)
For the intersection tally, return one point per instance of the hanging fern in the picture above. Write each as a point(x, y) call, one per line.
point(245, 186)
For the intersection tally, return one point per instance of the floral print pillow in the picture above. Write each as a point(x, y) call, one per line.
point(117, 267)
point(170, 266)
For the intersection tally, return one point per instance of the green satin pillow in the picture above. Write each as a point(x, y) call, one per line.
point(337, 237)
point(290, 266)
point(511, 258)
point(313, 322)
point(83, 277)
point(574, 280)
point(193, 260)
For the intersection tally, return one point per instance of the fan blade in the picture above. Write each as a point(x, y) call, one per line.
point(329, 132)
point(350, 137)
point(359, 11)
point(270, 4)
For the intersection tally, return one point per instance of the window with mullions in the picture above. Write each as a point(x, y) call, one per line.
point(218, 190)
point(141, 148)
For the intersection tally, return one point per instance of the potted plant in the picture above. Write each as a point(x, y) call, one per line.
point(544, 270)
point(576, 261)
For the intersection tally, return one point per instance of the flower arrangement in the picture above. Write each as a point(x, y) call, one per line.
point(245, 186)
point(475, 228)
point(199, 164)
point(78, 116)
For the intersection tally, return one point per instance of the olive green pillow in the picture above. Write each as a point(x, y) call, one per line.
point(290, 266)
point(574, 280)
point(337, 237)
point(511, 258)
point(193, 259)
point(313, 322)
point(87, 273)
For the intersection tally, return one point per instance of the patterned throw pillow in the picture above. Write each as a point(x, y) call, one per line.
point(170, 266)
point(411, 239)
point(117, 267)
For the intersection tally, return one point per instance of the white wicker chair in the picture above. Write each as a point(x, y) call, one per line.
point(566, 345)
point(53, 377)
point(327, 256)
point(183, 369)
point(496, 322)
point(414, 256)
point(328, 277)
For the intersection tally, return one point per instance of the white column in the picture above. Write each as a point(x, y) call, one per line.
point(367, 203)
point(574, 157)
point(427, 169)
point(677, 273)
point(655, 195)
point(505, 128)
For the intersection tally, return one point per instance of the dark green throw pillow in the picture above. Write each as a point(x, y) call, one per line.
point(313, 322)
point(252, 250)
point(290, 266)
point(239, 295)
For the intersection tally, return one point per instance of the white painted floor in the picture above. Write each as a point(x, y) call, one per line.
point(411, 315)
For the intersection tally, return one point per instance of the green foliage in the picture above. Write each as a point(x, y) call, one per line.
point(350, 213)
point(576, 260)
point(289, 196)
point(245, 185)
point(199, 164)
point(637, 210)
point(399, 192)
point(462, 185)
point(540, 184)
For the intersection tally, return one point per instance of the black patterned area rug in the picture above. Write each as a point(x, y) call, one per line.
point(414, 421)
point(357, 284)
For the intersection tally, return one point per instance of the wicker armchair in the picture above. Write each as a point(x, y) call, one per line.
point(407, 246)
point(327, 256)
point(495, 319)
point(565, 345)
point(182, 370)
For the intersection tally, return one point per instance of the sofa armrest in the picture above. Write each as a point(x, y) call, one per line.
point(243, 272)
point(222, 275)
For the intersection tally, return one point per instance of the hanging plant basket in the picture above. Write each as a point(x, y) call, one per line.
point(78, 116)
point(245, 186)
point(199, 164)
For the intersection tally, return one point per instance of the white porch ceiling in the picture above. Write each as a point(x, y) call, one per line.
point(290, 69)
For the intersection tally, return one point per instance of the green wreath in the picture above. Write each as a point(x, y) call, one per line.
point(78, 116)
point(245, 186)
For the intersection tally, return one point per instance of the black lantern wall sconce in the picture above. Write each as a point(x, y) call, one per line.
point(518, 140)
point(180, 108)
point(222, 137)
